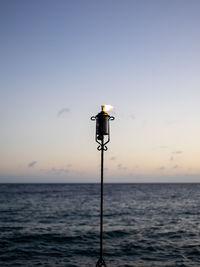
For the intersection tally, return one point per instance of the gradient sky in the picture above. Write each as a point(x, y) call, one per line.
point(60, 60)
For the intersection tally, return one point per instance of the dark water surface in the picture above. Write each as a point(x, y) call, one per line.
point(58, 225)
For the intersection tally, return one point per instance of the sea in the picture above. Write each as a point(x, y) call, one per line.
point(58, 225)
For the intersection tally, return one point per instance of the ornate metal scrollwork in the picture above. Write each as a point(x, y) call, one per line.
point(100, 139)
point(101, 263)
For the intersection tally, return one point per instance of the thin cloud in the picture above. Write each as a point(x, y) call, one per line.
point(175, 167)
point(32, 164)
point(161, 168)
point(59, 172)
point(121, 167)
point(113, 158)
point(63, 111)
point(177, 152)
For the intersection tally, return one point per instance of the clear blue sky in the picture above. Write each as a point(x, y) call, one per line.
point(60, 60)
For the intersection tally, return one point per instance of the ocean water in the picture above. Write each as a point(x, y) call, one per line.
point(58, 225)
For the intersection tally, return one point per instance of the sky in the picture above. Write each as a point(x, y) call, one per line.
point(61, 60)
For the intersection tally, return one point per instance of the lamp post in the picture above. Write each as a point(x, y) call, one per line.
point(102, 137)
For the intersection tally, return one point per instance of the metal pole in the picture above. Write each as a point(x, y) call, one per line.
point(101, 216)
point(101, 261)
point(102, 129)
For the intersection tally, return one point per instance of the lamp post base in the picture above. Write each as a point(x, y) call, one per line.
point(100, 263)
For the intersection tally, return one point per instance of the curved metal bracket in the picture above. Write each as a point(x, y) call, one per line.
point(93, 118)
point(111, 118)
